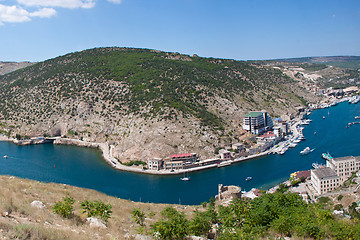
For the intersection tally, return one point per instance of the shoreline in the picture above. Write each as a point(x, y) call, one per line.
point(107, 149)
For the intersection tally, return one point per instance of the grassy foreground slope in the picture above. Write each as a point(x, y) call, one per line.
point(148, 103)
point(270, 216)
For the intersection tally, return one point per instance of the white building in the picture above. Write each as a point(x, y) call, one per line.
point(155, 164)
point(257, 122)
point(344, 166)
point(336, 172)
point(324, 180)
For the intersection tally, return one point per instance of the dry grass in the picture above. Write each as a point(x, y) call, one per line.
point(26, 222)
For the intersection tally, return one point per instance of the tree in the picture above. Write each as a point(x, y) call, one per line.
point(200, 224)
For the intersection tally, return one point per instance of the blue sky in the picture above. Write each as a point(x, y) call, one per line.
point(36, 30)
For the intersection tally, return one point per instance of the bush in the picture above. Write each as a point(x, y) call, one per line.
point(138, 216)
point(338, 207)
point(64, 208)
point(175, 226)
point(324, 200)
point(340, 197)
point(97, 209)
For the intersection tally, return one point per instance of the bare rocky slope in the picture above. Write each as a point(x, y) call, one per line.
point(7, 67)
point(145, 102)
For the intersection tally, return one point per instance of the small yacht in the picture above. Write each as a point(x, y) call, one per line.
point(248, 178)
point(5, 156)
point(185, 178)
point(326, 156)
point(307, 150)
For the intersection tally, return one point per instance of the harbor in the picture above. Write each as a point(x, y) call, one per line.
point(84, 167)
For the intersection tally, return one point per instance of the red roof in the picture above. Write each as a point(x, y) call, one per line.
point(305, 174)
point(268, 134)
point(180, 155)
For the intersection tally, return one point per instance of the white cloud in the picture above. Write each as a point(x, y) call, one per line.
point(15, 14)
point(44, 13)
point(115, 1)
point(59, 3)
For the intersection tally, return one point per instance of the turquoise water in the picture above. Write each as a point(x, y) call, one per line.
point(84, 167)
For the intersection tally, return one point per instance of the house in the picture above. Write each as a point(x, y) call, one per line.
point(224, 154)
point(257, 122)
point(238, 147)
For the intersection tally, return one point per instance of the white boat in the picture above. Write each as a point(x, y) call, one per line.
point(293, 144)
point(307, 150)
point(248, 178)
point(326, 156)
point(301, 137)
point(315, 165)
point(223, 164)
point(185, 178)
point(5, 156)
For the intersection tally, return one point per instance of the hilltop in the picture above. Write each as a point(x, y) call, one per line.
point(146, 103)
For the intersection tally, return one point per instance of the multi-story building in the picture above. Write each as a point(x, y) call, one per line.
point(155, 164)
point(257, 122)
point(336, 172)
point(185, 157)
point(173, 165)
point(344, 166)
point(324, 180)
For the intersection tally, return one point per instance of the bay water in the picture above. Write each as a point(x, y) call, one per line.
point(84, 167)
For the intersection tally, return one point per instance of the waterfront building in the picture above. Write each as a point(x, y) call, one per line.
point(155, 164)
point(224, 154)
point(336, 172)
point(324, 180)
point(173, 165)
point(257, 122)
point(185, 157)
point(344, 166)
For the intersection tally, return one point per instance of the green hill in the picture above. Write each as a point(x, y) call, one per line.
point(140, 97)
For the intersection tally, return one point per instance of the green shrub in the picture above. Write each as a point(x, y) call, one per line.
point(340, 197)
point(138, 216)
point(97, 209)
point(64, 208)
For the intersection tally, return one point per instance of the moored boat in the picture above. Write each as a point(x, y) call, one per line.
point(326, 156)
point(223, 164)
